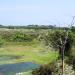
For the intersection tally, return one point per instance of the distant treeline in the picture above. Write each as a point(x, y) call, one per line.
point(34, 27)
point(29, 27)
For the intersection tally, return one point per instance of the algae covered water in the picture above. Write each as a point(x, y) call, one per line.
point(12, 69)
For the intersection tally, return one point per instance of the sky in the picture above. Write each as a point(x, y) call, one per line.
point(41, 12)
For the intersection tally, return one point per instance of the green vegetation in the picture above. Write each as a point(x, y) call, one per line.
point(54, 68)
point(27, 73)
point(56, 39)
point(20, 53)
point(24, 46)
point(35, 45)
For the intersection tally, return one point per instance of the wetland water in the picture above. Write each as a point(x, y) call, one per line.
point(12, 69)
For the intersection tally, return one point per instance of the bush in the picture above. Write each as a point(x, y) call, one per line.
point(47, 69)
point(17, 36)
point(54, 69)
point(20, 37)
point(71, 59)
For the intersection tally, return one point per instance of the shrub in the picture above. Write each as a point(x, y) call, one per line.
point(17, 36)
point(20, 37)
point(47, 69)
point(54, 69)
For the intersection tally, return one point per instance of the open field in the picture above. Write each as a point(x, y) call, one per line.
point(21, 53)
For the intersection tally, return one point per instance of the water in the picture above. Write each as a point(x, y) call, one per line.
point(12, 69)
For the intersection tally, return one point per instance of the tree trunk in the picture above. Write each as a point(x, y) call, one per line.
point(63, 61)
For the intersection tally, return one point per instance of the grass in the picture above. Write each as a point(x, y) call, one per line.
point(27, 73)
point(15, 53)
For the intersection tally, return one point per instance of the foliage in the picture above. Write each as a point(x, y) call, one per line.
point(20, 37)
point(71, 59)
point(56, 40)
point(73, 29)
point(27, 48)
point(17, 36)
point(45, 70)
point(54, 69)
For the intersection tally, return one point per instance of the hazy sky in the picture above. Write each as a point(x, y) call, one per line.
point(23, 12)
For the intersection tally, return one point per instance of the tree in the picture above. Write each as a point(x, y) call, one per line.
point(56, 40)
point(61, 40)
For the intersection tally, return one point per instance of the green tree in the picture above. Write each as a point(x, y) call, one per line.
point(56, 40)
point(61, 40)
